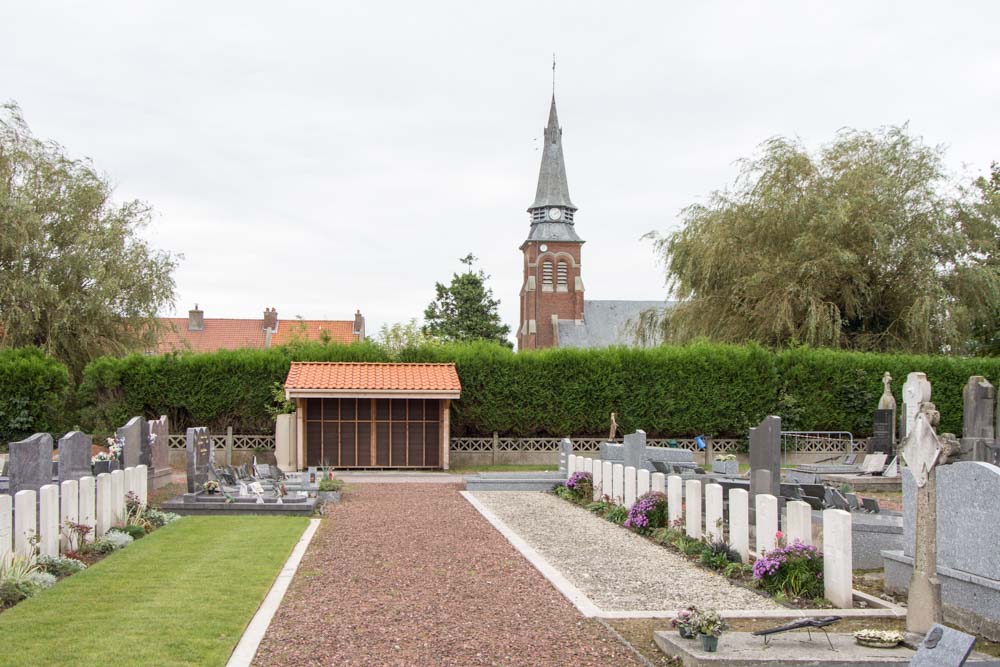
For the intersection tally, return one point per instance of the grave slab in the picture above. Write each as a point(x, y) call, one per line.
point(30, 463)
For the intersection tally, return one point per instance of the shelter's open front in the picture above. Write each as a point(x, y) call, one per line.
point(370, 415)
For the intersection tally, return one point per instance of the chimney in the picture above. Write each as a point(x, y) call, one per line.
point(196, 319)
point(359, 325)
point(271, 319)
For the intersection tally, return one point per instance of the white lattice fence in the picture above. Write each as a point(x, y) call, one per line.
point(240, 441)
point(534, 445)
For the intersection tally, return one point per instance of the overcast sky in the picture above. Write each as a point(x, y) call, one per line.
point(322, 157)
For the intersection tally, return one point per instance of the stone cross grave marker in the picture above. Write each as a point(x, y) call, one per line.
point(943, 647)
point(765, 458)
point(159, 443)
point(74, 455)
point(30, 463)
point(978, 398)
point(916, 390)
point(199, 458)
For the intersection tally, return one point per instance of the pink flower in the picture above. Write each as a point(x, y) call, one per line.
point(779, 535)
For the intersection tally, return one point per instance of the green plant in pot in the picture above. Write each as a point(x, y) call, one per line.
point(683, 623)
point(710, 626)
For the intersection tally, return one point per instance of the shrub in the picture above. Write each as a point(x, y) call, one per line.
point(135, 531)
point(113, 540)
point(689, 546)
point(794, 570)
point(60, 566)
point(328, 485)
point(39, 581)
point(648, 513)
point(32, 394)
point(10, 594)
point(581, 485)
point(617, 514)
point(158, 518)
point(717, 555)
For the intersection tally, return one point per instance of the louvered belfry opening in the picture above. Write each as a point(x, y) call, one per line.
point(373, 433)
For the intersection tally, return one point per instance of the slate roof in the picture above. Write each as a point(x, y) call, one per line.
point(604, 323)
point(343, 376)
point(553, 189)
point(233, 334)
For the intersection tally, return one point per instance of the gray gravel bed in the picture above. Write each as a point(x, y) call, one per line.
point(617, 569)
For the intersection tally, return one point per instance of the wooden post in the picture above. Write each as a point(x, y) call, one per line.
point(229, 445)
point(300, 433)
point(445, 432)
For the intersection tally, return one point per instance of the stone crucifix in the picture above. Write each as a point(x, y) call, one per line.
point(923, 452)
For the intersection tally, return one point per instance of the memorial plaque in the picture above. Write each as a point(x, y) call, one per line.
point(883, 435)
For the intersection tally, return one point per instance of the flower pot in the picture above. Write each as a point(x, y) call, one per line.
point(685, 632)
point(876, 643)
point(709, 643)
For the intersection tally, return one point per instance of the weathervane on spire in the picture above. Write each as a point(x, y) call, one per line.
point(553, 74)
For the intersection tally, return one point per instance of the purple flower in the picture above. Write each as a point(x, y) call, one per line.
point(577, 477)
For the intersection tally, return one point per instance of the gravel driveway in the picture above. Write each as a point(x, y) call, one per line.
point(411, 574)
point(617, 569)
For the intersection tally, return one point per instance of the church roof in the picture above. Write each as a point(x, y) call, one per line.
point(553, 189)
point(605, 323)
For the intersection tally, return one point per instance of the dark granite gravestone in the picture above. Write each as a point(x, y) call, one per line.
point(884, 434)
point(74, 455)
point(978, 398)
point(635, 450)
point(136, 450)
point(30, 463)
point(199, 458)
point(765, 456)
point(943, 647)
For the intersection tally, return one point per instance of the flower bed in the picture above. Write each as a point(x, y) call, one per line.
point(22, 577)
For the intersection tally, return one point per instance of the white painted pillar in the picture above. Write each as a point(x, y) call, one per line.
point(142, 480)
point(675, 499)
point(570, 465)
point(6, 525)
point(103, 519)
point(69, 511)
point(117, 497)
point(48, 520)
point(713, 512)
point(617, 483)
point(798, 517)
point(88, 505)
point(692, 508)
point(607, 480)
point(598, 479)
point(837, 558)
point(641, 482)
point(766, 522)
point(25, 522)
point(739, 522)
point(659, 482)
point(629, 486)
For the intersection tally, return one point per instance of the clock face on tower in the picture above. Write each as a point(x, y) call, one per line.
point(555, 213)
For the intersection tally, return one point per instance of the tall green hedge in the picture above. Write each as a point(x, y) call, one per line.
point(32, 393)
point(699, 388)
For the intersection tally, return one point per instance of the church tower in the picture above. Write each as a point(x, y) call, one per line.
point(552, 290)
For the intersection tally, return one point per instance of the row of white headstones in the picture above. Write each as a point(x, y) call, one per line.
point(623, 485)
point(44, 519)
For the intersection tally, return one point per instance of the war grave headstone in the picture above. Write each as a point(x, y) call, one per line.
point(30, 463)
point(765, 458)
point(199, 458)
point(74, 456)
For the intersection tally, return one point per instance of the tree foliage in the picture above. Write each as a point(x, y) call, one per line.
point(465, 310)
point(75, 277)
point(394, 338)
point(32, 394)
point(866, 245)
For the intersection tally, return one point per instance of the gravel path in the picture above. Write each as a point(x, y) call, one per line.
point(409, 574)
point(617, 569)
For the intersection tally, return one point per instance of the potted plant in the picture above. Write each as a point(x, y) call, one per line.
point(329, 490)
point(211, 487)
point(710, 626)
point(683, 623)
point(725, 464)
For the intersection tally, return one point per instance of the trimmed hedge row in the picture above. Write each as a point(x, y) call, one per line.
point(32, 393)
point(700, 388)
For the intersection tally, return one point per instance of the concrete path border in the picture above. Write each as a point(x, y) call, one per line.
point(246, 649)
point(587, 607)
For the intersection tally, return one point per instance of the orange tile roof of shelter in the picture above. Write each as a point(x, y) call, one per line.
point(338, 378)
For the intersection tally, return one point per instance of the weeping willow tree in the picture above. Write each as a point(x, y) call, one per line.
point(866, 245)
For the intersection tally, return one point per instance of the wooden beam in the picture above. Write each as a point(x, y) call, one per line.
point(445, 431)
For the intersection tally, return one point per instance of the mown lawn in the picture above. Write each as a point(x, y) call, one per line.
point(180, 596)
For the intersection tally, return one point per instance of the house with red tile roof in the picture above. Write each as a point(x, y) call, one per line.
point(197, 333)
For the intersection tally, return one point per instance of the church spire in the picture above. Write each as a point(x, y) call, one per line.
point(553, 188)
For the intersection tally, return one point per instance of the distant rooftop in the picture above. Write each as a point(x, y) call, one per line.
point(605, 323)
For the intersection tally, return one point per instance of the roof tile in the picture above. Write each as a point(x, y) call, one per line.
point(372, 376)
